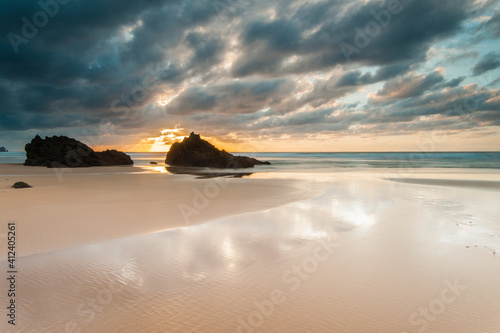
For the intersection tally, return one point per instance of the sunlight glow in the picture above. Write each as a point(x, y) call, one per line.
point(162, 143)
point(166, 100)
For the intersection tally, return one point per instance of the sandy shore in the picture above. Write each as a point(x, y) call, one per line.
point(483, 184)
point(337, 252)
point(72, 207)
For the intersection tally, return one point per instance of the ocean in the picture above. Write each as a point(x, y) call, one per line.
point(329, 161)
point(296, 162)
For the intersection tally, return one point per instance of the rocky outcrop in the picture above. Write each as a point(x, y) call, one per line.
point(61, 151)
point(3, 150)
point(195, 152)
point(114, 157)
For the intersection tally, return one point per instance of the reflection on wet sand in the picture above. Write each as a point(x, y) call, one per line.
point(361, 257)
point(207, 173)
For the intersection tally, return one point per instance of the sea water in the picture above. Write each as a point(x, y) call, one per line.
point(328, 161)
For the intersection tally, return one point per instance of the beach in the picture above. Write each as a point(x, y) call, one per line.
point(92, 205)
point(250, 166)
point(135, 249)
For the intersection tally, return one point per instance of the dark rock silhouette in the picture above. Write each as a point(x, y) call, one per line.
point(61, 151)
point(3, 150)
point(114, 157)
point(195, 152)
point(21, 185)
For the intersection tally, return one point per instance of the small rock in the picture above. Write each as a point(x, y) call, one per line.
point(21, 185)
point(154, 163)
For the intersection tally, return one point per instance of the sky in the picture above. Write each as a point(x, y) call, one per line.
point(253, 75)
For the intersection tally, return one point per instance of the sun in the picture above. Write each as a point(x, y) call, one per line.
point(163, 142)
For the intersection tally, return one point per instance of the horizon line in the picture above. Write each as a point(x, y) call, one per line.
point(340, 152)
point(313, 152)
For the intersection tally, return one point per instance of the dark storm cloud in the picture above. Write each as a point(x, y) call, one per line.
point(298, 119)
point(463, 107)
point(356, 78)
point(74, 37)
point(488, 63)
point(494, 82)
point(453, 83)
point(408, 86)
point(491, 27)
point(281, 35)
point(456, 58)
point(282, 63)
point(367, 34)
point(92, 52)
point(241, 97)
point(463, 103)
point(207, 51)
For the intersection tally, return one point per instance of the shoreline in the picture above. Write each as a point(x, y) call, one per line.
point(59, 213)
point(482, 184)
point(352, 251)
point(63, 209)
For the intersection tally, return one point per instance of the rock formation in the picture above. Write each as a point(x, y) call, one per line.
point(21, 185)
point(61, 151)
point(3, 150)
point(195, 152)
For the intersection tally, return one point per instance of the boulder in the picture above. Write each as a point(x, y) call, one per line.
point(114, 157)
point(21, 185)
point(196, 152)
point(3, 150)
point(61, 151)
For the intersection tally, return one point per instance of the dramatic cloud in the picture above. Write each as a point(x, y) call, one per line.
point(491, 27)
point(233, 69)
point(488, 63)
point(408, 86)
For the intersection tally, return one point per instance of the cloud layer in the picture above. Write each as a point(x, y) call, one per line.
point(248, 69)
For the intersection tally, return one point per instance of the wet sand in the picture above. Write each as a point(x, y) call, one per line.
point(92, 205)
point(338, 252)
point(495, 185)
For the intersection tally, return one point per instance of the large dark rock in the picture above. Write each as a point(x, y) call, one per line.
point(61, 151)
point(195, 152)
point(114, 157)
point(3, 150)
